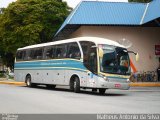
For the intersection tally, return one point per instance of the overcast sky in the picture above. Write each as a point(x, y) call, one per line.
point(71, 3)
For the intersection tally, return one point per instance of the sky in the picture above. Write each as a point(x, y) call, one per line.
point(71, 3)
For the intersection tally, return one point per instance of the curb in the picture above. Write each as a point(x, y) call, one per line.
point(12, 83)
point(145, 84)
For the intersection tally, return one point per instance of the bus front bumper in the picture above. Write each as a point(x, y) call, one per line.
point(115, 85)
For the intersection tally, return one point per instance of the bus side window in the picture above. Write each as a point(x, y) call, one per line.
point(60, 51)
point(27, 58)
point(31, 54)
point(89, 55)
point(73, 51)
point(38, 53)
point(20, 56)
point(49, 52)
point(35, 54)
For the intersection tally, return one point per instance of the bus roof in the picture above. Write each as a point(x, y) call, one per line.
point(96, 40)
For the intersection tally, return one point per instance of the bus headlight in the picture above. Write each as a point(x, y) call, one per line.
point(105, 78)
point(128, 80)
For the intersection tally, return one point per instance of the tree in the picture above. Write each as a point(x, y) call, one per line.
point(27, 22)
point(142, 1)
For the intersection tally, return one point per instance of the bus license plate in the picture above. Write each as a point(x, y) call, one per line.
point(117, 85)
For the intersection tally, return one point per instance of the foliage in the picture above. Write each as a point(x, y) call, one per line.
point(27, 22)
point(2, 75)
point(142, 1)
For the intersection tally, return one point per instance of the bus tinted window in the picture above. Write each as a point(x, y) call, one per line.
point(20, 56)
point(39, 53)
point(60, 51)
point(73, 51)
point(36, 54)
point(49, 52)
point(31, 54)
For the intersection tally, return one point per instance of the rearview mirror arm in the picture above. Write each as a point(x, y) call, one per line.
point(132, 52)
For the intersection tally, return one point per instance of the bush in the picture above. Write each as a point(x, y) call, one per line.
point(2, 75)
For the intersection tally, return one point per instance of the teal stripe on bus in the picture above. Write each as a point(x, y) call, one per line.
point(43, 64)
point(52, 68)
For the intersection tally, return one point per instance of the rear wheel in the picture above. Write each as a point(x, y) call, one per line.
point(102, 91)
point(29, 82)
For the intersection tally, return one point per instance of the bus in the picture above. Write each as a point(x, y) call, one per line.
point(84, 62)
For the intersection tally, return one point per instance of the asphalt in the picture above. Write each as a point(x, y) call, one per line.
point(135, 84)
point(41, 100)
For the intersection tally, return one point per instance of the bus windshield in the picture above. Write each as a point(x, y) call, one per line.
point(115, 60)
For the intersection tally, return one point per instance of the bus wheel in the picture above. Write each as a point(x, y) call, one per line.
point(102, 91)
point(76, 85)
point(28, 81)
point(50, 86)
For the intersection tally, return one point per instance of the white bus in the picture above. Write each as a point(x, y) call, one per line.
point(85, 62)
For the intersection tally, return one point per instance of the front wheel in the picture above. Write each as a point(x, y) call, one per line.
point(75, 85)
point(102, 91)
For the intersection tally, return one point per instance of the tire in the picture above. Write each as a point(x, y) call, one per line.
point(29, 82)
point(102, 91)
point(72, 85)
point(75, 85)
point(50, 86)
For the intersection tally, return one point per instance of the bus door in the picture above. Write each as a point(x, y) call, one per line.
point(90, 61)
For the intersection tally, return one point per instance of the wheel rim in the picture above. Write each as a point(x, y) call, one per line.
point(28, 82)
point(75, 84)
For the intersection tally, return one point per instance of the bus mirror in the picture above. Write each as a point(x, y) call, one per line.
point(100, 52)
point(137, 57)
point(136, 54)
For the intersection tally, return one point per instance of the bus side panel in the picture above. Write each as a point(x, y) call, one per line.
point(92, 80)
point(53, 77)
point(81, 75)
point(49, 76)
point(51, 71)
point(20, 76)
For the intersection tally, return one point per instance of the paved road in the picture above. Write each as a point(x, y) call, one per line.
point(20, 99)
